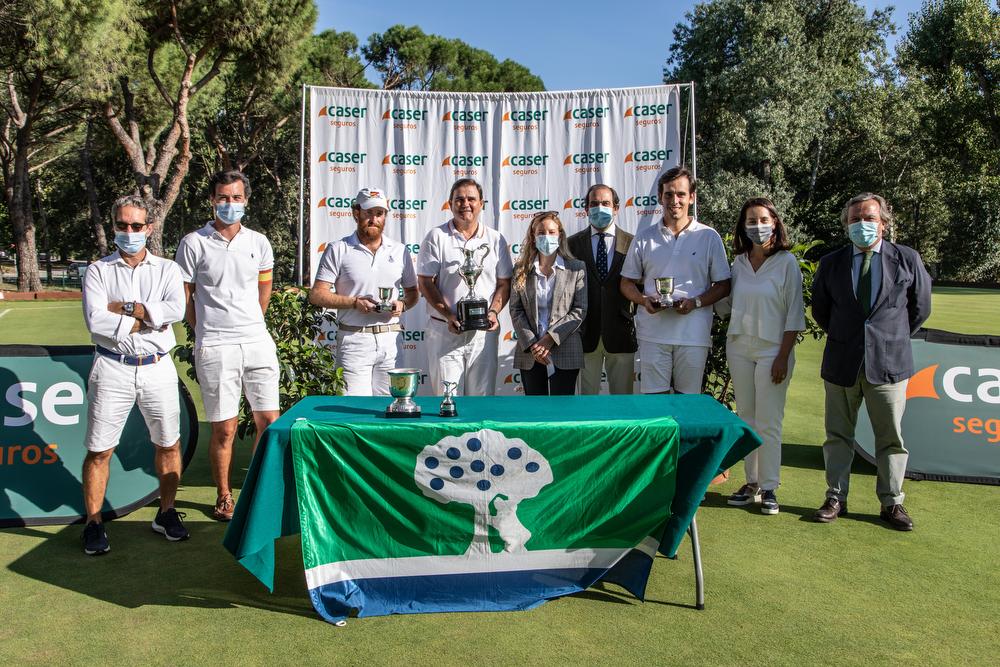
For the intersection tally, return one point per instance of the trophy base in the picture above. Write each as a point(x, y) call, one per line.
point(666, 303)
point(383, 308)
point(448, 411)
point(473, 314)
point(402, 408)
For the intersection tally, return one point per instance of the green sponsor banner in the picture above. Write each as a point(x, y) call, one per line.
point(43, 421)
point(951, 425)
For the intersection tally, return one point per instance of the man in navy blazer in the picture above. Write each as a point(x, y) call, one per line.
point(869, 297)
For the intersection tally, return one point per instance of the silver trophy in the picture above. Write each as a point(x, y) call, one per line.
point(384, 304)
point(403, 385)
point(665, 288)
point(472, 309)
point(448, 408)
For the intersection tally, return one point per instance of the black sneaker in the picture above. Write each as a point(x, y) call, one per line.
point(95, 540)
point(169, 525)
point(748, 493)
point(768, 503)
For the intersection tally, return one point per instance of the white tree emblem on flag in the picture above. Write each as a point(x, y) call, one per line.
point(483, 469)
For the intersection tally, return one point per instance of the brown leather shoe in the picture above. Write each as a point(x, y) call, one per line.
point(223, 508)
point(831, 509)
point(896, 517)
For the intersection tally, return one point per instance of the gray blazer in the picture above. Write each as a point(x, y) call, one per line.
point(569, 308)
point(880, 345)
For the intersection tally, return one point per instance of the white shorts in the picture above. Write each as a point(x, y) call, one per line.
point(468, 358)
point(113, 388)
point(225, 371)
point(366, 359)
point(661, 362)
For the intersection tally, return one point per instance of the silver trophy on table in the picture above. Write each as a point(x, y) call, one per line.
point(384, 304)
point(403, 385)
point(665, 290)
point(448, 408)
point(472, 309)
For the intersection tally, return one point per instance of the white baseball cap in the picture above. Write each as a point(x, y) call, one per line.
point(371, 197)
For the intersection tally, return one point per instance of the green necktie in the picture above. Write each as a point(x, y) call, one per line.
point(865, 284)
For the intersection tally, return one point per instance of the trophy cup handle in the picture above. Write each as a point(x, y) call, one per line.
point(486, 253)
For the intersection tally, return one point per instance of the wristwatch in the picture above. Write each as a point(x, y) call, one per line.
point(697, 302)
point(128, 308)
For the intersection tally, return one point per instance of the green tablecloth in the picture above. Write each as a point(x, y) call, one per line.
point(711, 439)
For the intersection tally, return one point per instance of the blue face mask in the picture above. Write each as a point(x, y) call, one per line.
point(130, 242)
point(600, 216)
point(230, 213)
point(546, 244)
point(863, 233)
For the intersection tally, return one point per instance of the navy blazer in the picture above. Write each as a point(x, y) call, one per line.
point(881, 343)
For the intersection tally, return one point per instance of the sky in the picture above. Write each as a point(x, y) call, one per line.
point(570, 45)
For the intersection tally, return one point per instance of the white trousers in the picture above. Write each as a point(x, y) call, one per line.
point(470, 359)
point(665, 367)
point(760, 403)
point(366, 359)
point(619, 366)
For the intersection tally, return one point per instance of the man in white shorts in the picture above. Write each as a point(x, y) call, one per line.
point(130, 299)
point(468, 358)
point(227, 271)
point(674, 342)
point(350, 274)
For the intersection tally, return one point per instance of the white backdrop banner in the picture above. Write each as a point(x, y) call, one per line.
point(531, 152)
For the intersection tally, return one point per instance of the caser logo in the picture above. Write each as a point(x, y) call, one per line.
point(649, 156)
point(581, 113)
point(587, 158)
point(465, 161)
point(578, 202)
point(525, 115)
point(342, 157)
point(405, 114)
point(959, 383)
point(464, 116)
point(525, 205)
point(641, 201)
point(638, 110)
point(336, 206)
point(512, 378)
point(962, 384)
point(403, 160)
point(510, 335)
point(525, 161)
point(407, 204)
point(334, 111)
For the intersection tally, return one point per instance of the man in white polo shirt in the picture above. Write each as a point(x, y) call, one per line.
point(468, 358)
point(674, 342)
point(227, 280)
point(130, 299)
point(350, 274)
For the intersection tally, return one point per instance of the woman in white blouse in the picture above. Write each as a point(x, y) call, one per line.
point(767, 316)
point(548, 302)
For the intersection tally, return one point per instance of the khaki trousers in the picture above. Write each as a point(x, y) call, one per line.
point(885, 404)
point(620, 367)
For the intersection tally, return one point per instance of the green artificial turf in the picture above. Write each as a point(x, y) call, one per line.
point(780, 590)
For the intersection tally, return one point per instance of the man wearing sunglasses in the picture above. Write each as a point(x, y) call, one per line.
point(227, 281)
point(130, 299)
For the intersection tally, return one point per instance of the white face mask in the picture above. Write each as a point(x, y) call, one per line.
point(759, 234)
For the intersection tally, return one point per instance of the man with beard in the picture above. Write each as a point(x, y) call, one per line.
point(348, 278)
point(674, 342)
point(468, 358)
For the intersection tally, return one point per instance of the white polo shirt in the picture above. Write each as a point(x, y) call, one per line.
point(441, 255)
point(155, 283)
point(225, 275)
point(695, 258)
point(354, 270)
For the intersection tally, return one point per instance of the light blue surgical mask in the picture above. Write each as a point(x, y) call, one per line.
point(546, 244)
point(863, 233)
point(600, 216)
point(759, 234)
point(130, 242)
point(230, 213)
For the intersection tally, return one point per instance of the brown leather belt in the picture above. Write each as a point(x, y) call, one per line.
point(372, 328)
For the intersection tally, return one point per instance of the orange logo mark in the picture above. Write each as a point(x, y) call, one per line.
point(921, 385)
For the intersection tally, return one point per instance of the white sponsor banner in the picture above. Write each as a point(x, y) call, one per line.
point(531, 152)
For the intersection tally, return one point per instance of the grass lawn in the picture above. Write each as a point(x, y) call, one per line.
point(780, 589)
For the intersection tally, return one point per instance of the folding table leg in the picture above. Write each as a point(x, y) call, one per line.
point(699, 579)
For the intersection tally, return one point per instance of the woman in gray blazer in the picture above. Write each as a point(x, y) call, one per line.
point(548, 303)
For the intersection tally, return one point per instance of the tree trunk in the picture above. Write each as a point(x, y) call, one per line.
point(46, 234)
point(19, 207)
point(88, 178)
